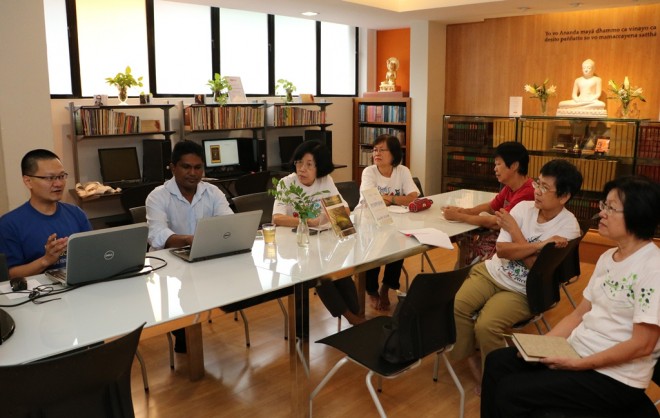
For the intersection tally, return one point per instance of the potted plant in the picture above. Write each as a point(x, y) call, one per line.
point(220, 87)
point(288, 88)
point(304, 206)
point(123, 81)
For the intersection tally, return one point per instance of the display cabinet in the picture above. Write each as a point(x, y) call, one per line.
point(602, 149)
point(468, 150)
point(377, 116)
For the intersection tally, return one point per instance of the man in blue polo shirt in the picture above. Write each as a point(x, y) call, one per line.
point(34, 235)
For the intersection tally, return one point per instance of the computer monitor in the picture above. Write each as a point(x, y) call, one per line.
point(288, 145)
point(221, 153)
point(119, 164)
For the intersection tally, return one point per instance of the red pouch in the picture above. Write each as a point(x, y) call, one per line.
point(420, 204)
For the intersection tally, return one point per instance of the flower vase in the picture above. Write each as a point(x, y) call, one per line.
point(219, 97)
point(624, 110)
point(302, 233)
point(544, 107)
point(289, 96)
point(122, 95)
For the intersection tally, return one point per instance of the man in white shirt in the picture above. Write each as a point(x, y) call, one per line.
point(174, 208)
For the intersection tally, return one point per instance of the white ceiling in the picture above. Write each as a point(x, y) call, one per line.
point(391, 14)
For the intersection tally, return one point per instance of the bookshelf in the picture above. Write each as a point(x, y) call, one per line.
point(376, 116)
point(111, 126)
point(602, 149)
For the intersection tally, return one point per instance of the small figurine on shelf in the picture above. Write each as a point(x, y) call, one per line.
point(123, 81)
point(220, 87)
point(390, 76)
point(288, 88)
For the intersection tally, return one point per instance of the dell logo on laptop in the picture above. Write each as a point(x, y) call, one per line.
point(226, 235)
point(109, 255)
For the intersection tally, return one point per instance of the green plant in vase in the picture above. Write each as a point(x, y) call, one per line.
point(123, 81)
point(304, 206)
point(626, 94)
point(288, 88)
point(220, 87)
point(541, 92)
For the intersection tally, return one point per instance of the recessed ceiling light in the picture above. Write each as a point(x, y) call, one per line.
point(310, 13)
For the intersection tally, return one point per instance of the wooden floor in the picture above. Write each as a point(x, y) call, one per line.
point(255, 381)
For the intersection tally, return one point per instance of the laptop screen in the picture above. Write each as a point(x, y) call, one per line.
point(119, 164)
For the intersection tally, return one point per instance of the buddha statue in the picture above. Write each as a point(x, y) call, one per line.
point(586, 95)
point(390, 76)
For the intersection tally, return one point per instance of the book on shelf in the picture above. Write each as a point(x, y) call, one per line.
point(336, 212)
point(150, 125)
point(374, 201)
point(534, 347)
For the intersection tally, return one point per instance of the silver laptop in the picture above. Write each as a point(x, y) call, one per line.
point(221, 236)
point(102, 255)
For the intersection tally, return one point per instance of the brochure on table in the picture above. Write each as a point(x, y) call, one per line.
point(430, 236)
point(339, 220)
point(374, 201)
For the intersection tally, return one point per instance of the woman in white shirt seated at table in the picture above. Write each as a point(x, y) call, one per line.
point(313, 164)
point(396, 186)
point(615, 329)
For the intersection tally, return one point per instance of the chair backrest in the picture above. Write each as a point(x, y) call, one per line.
point(426, 315)
point(570, 267)
point(350, 191)
point(419, 186)
point(136, 196)
point(138, 214)
point(254, 201)
point(542, 287)
point(93, 382)
point(252, 183)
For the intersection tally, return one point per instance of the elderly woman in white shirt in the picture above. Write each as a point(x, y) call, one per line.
point(396, 186)
point(313, 164)
point(615, 329)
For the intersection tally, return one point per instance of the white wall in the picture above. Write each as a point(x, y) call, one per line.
point(25, 118)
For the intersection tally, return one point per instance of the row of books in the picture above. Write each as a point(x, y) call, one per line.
point(537, 135)
point(105, 122)
point(650, 171)
point(383, 113)
point(596, 172)
point(622, 140)
point(292, 116)
point(469, 165)
point(368, 134)
point(197, 118)
point(470, 133)
point(649, 142)
point(503, 130)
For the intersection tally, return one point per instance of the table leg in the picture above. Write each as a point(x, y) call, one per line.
point(195, 352)
point(299, 350)
point(361, 285)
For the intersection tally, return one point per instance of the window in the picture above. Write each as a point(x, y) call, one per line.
point(244, 48)
point(57, 42)
point(338, 54)
point(111, 35)
point(295, 53)
point(182, 37)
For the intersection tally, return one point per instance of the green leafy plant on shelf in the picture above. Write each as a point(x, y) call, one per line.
point(288, 88)
point(123, 81)
point(220, 87)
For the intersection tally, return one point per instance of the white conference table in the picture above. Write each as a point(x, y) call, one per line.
point(177, 294)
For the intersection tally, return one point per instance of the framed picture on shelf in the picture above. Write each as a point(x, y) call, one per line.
point(602, 145)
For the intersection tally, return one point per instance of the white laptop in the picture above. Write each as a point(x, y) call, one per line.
point(102, 255)
point(221, 236)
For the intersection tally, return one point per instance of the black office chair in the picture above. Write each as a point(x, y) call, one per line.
point(542, 286)
point(419, 186)
point(424, 255)
point(252, 183)
point(93, 382)
point(255, 201)
point(422, 324)
point(568, 272)
point(350, 191)
point(136, 196)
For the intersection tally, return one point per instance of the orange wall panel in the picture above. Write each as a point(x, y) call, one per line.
point(393, 43)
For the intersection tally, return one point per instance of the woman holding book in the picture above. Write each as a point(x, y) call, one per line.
point(313, 164)
point(395, 184)
point(615, 329)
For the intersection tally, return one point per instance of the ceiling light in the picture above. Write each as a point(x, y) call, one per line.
point(310, 13)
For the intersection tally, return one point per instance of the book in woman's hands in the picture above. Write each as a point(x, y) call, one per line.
point(534, 347)
point(339, 219)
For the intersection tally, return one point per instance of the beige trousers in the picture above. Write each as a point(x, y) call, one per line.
point(495, 308)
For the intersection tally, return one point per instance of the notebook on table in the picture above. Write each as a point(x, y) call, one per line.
point(221, 236)
point(102, 255)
